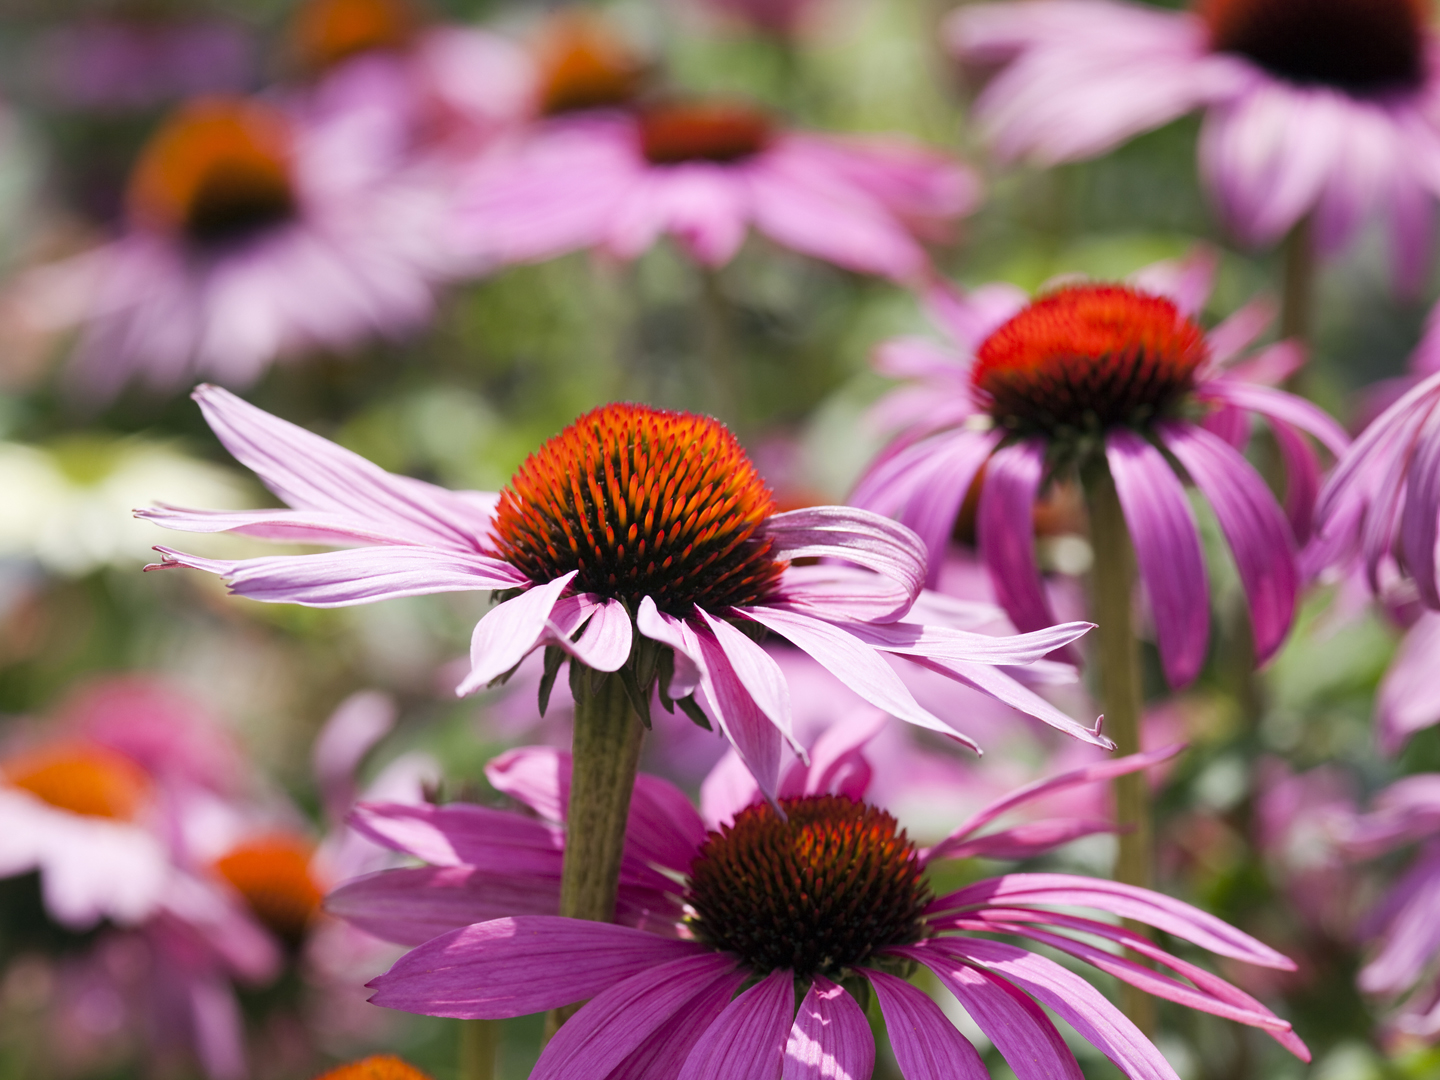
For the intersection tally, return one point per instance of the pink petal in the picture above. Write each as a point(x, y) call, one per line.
point(462, 834)
point(1277, 405)
point(747, 1041)
point(830, 1039)
point(741, 721)
point(759, 674)
point(1253, 524)
point(1167, 550)
point(1418, 520)
point(1409, 695)
point(837, 763)
point(605, 645)
point(1187, 281)
point(510, 632)
point(1006, 528)
point(356, 725)
point(926, 1044)
point(513, 967)
point(856, 536)
point(410, 906)
point(1026, 841)
point(668, 630)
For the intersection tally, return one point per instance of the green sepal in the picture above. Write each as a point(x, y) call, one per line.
point(554, 657)
point(692, 709)
point(639, 700)
point(664, 672)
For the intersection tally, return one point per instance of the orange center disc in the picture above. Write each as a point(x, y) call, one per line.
point(83, 779)
point(272, 873)
point(707, 131)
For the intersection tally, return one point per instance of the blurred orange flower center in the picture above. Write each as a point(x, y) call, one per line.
point(642, 502)
point(84, 779)
point(584, 65)
point(379, 1067)
point(324, 33)
point(272, 873)
point(1088, 356)
point(217, 170)
point(1362, 46)
point(706, 131)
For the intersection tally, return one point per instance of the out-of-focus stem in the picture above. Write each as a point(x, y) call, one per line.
point(1112, 578)
point(1297, 296)
point(605, 754)
point(722, 377)
point(479, 1041)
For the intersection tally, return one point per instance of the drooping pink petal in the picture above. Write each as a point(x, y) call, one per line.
point(927, 1046)
point(1236, 331)
point(1278, 406)
point(510, 632)
point(1017, 1026)
point(1410, 939)
point(356, 725)
point(1409, 695)
point(755, 737)
point(747, 1040)
point(644, 1009)
point(1003, 687)
point(461, 834)
point(1186, 281)
point(1253, 524)
point(285, 526)
point(1167, 550)
point(513, 967)
point(353, 576)
point(1028, 840)
point(830, 1039)
point(409, 906)
point(837, 763)
point(668, 630)
point(856, 536)
point(605, 645)
point(1072, 998)
point(759, 674)
point(1006, 530)
point(1421, 513)
point(663, 1058)
point(1302, 480)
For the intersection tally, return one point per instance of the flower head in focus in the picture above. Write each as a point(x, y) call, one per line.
point(637, 541)
point(1115, 375)
point(1322, 109)
point(737, 908)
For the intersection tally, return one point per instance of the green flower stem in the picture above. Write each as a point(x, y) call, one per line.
point(1297, 296)
point(479, 1041)
point(723, 377)
point(1112, 578)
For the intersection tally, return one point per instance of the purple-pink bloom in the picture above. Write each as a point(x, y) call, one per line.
point(705, 173)
point(647, 530)
point(1320, 112)
point(1036, 391)
point(700, 978)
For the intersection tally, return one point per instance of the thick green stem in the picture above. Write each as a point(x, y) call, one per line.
point(1297, 297)
point(1112, 580)
point(479, 1041)
point(605, 752)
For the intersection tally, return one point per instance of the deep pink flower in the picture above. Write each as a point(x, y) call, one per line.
point(1310, 109)
point(1032, 389)
point(649, 530)
point(253, 234)
point(714, 913)
point(705, 173)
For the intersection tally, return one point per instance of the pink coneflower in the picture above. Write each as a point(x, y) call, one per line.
point(647, 530)
point(252, 235)
point(705, 172)
point(1324, 109)
point(1034, 392)
point(745, 916)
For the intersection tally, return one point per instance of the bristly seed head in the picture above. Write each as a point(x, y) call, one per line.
point(642, 502)
point(1087, 357)
point(272, 873)
point(1359, 46)
point(818, 891)
point(702, 131)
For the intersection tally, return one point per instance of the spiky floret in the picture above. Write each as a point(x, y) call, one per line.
point(82, 778)
point(377, 1067)
point(217, 170)
point(272, 873)
point(1088, 357)
point(702, 131)
point(1360, 46)
point(821, 889)
point(642, 502)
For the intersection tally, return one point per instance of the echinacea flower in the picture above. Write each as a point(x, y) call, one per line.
point(1323, 109)
point(766, 907)
point(1035, 390)
point(375, 1067)
point(705, 172)
point(1401, 927)
point(649, 531)
point(252, 234)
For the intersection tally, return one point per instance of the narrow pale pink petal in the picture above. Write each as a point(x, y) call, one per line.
point(857, 536)
point(510, 632)
point(1277, 405)
point(605, 645)
point(747, 1040)
point(1167, 550)
point(830, 1039)
point(1254, 525)
point(286, 526)
point(1409, 695)
point(1026, 841)
point(757, 671)
point(1231, 336)
point(1421, 513)
point(837, 760)
point(752, 733)
point(356, 725)
point(927, 1046)
point(409, 906)
point(1411, 936)
point(1006, 528)
point(514, 967)
point(461, 834)
point(668, 630)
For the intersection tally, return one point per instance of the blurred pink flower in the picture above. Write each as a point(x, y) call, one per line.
point(1031, 389)
point(1323, 110)
point(718, 910)
point(254, 234)
point(1300, 820)
point(665, 619)
point(704, 173)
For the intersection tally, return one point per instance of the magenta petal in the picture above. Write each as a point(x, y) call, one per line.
point(757, 671)
point(747, 1041)
point(926, 1044)
point(1006, 528)
point(635, 1015)
point(837, 759)
point(1253, 524)
point(356, 725)
point(755, 737)
point(1302, 480)
point(1026, 841)
point(513, 967)
point(1017, 1026)
point(1076, 1001)
point(410, 906)
point(1409, 695)
point(668, 630)
point(460, 834)
point(830, 1039)
point(1418, 520)
point(1279, 407)
point(605, 644)
point(510, 632)
point(856, 536)
point(1167, 550)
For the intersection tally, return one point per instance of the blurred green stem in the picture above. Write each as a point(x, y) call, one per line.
point(722, 376)
point(1297, 297)
point(605, 754)
point(1112, 578)
point(479, 1040)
